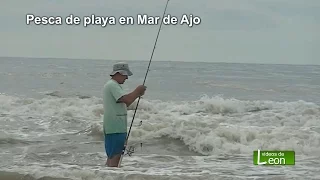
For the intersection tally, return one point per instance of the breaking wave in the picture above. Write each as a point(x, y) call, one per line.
point(207, 126)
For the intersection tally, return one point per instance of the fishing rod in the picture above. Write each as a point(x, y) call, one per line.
point(145, 77)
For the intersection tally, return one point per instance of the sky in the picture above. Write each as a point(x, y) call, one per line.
point(232, 31)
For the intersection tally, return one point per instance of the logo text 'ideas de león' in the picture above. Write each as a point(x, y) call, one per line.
point(267, 157)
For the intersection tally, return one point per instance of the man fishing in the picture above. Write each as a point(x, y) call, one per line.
point(115, 103)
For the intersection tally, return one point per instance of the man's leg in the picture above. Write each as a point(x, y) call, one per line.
point(114, 161)
point(114, 144)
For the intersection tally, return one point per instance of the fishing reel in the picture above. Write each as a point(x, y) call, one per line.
point(130, 151)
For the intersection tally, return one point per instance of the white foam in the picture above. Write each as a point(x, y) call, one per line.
point(151, 167)
point(208, 126)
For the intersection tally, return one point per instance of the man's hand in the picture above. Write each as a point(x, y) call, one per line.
point(141, 90)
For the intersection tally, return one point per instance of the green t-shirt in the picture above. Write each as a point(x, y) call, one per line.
point(115, 114)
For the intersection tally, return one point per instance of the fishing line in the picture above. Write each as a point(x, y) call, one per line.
point(145, 77)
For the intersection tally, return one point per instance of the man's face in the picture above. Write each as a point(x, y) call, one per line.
point(123, 78)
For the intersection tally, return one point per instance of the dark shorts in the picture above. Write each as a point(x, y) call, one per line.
point(114, 143)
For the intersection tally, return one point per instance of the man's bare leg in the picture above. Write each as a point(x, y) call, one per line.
point(114, 161)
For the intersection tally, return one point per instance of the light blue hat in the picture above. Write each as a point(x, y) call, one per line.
point(122, 68)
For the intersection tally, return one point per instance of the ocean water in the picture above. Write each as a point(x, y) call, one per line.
point(199, 120)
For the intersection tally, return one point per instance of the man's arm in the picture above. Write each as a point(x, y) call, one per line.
point(128, 99)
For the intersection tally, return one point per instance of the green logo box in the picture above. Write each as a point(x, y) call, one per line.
point(266, 157)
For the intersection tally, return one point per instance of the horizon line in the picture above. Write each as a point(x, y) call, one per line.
point(217, 62)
